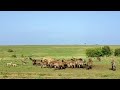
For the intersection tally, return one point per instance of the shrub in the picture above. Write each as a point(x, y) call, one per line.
point(96, 52)
point(10, 50)
point(90, 52)
point(117, 52)
point(99, 52)
point(14, 56)
point(106, 51)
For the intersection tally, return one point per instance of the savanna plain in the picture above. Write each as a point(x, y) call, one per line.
point(29, 71)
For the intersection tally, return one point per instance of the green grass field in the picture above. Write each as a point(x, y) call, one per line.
point(28, 71)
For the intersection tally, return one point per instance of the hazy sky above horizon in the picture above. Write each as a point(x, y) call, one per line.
point(59, 27)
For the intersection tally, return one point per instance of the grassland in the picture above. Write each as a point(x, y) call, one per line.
point(28, 71)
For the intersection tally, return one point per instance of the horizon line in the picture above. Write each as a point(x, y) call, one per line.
point(53, 44)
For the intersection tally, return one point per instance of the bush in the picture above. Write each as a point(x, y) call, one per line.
point(117, 52)
point(97, 52)
point(10, 50)
point(14, 56)
point(106, 51)
point(89, 52)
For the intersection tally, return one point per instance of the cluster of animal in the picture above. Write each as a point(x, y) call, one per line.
point(62, 64)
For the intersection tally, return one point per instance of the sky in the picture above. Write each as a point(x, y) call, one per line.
point(59, 27)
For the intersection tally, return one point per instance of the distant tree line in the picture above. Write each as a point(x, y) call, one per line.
point(102, 51)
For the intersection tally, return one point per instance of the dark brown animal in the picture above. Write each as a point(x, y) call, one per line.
point(79, 64)
point(59, 65)
point(36, 62)
point(51, 63)
point(113, 65)
point(98, 58)
point(71, 64)
point(89, 64)
point(44, 63)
